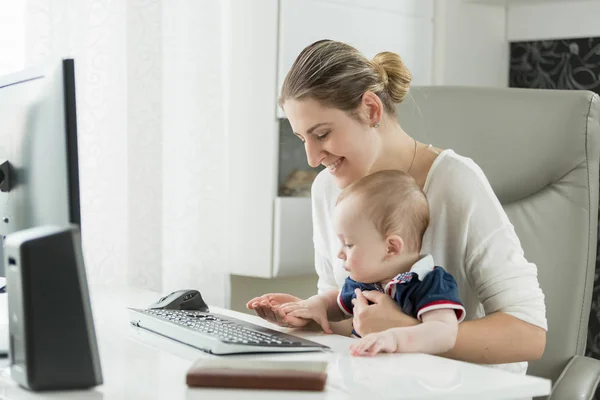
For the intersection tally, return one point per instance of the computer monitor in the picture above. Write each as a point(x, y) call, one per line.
point(39, 178)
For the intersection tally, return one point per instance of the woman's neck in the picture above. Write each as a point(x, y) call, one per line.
point(397, 149)
point(401, 152)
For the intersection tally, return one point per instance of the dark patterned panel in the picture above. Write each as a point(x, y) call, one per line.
point(563, 64)
point(556, 64)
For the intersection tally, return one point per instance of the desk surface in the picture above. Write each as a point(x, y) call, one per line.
point(137, 364)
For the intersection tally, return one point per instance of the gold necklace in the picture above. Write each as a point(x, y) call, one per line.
point(414, 155)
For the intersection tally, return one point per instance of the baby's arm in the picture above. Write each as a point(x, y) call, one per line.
point(334, 313)
point(321, 308)
point(437, 334)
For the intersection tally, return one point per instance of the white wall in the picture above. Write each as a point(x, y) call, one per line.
point(470, 46)
point(194, 152)
point(12, 36)
point(94, 32)
point(144, 143)
point(560, 20)
point(403, 27)
point(152, 139)
point(250, 52)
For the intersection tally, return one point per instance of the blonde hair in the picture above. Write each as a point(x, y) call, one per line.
point(394, 202)
point(337, 75)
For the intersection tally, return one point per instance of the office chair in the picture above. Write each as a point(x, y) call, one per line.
point(540, 150)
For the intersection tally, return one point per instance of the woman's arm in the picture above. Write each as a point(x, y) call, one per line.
point(498, 338)
point(495, 268)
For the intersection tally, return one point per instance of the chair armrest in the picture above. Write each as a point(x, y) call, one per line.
point(578, 380)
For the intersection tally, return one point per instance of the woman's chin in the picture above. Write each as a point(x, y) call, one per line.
point(343, 181)
point(346, 178)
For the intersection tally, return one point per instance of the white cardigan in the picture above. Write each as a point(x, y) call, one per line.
point(469, 235)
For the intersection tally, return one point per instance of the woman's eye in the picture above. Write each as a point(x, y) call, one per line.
point(323, 135)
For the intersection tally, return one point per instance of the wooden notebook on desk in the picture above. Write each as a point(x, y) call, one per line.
point(226, 372)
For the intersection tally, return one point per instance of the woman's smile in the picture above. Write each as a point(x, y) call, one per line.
point(333, 168)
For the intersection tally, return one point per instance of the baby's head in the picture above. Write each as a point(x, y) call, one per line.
point(380, 221)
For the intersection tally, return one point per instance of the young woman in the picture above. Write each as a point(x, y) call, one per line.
point(342, 107)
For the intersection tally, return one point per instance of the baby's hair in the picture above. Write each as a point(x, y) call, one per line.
point(395, 203)
point(337, 75)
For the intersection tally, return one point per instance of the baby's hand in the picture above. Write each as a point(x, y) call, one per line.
point(373, 343)
point(313, 308)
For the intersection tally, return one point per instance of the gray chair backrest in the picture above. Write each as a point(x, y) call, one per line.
point(540, 150)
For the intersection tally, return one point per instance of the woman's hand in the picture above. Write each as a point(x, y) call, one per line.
point(383, 314)
point(268, 305)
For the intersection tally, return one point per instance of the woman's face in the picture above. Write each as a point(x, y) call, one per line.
point(347, 147)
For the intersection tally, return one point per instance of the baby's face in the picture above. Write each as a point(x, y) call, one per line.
point(363, 249)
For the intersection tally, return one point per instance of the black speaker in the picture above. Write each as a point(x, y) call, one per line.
point(52, 337)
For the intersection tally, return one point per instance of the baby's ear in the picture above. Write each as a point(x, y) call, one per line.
point(395, 246)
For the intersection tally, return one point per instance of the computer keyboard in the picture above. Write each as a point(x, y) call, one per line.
point(219, 334)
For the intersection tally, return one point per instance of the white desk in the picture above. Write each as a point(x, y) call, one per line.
point(140, 365)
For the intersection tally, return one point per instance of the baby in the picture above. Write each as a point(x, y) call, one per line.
point(380, 221)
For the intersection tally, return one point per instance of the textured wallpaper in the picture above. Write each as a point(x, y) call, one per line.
point(93, 32)
point(563, 64)
point(195, 188)
point(144, 143)
point(556, 64)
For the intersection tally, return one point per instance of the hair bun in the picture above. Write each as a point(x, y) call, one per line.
point(381, 71)
point(395, 77)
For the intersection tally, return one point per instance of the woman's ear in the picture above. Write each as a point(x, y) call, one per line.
point(373, 107)
point(395, 246)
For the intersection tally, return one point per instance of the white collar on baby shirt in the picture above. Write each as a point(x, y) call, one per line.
point(422, 267)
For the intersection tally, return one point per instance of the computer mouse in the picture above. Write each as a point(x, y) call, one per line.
point(181, 300)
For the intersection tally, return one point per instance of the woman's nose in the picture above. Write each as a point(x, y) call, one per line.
point(314, 153)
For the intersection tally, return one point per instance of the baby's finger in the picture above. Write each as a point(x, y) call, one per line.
point(300, 313)
point(279, 315)
point(289, 307)
point(356, 348)
point(359, 351)
point(375, 348)
point(294, 321)
point(278, 310)
point(365, 344)
point(324, 324)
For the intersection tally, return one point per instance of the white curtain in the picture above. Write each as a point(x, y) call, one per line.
point(152, 136)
